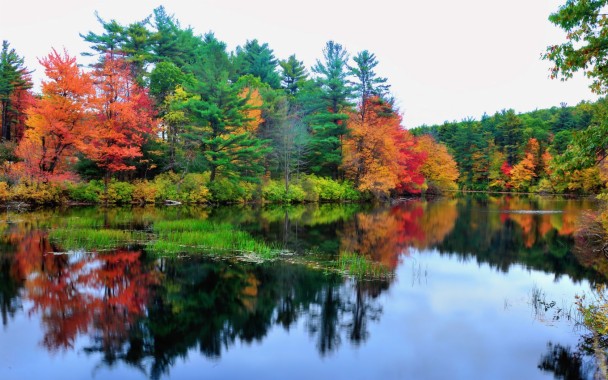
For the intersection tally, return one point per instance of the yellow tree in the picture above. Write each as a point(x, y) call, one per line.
point(524, 172)
point(439, 169)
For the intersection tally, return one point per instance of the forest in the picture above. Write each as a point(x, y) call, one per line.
point(165, 114)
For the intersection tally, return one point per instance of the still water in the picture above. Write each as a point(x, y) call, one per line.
point(479, 288)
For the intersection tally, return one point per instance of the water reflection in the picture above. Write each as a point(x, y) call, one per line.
point(149, 312)
point(102, 296)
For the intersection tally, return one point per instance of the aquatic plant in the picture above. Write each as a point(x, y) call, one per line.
point(93, 238)
point(361, 266)
point(202, 236)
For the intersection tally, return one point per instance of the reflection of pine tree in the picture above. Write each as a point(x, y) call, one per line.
point(563, 363)
point(10, 301)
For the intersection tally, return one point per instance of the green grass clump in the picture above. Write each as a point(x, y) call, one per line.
point(361, 266)
point(79, 223)
point(90, 238)
point(198, 236)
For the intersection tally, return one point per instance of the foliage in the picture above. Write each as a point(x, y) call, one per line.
point(87, 192)
point(439, 168)
point(595, 312)
point(367, 84)
point(585, 48)
point(60, 121)
point(35, 192)
point(294, 75)
point(378, 153)
point(327, 103)
point(274, 192)
point(258, 60)
point(218, 114)
point(322, 189)
point(226, 191)
point(125, 117)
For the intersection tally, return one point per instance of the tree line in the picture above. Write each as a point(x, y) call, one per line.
point(562, 149)
point(161, 99)
point(163, 104)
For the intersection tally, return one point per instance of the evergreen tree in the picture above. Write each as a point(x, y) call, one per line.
point(259, 61)
point(218, 114)
point(509, 134)
point(327, 103)
point(293, 75)
point(368, 84)
point(564, 120)
point(14, 77)
point(171, 43)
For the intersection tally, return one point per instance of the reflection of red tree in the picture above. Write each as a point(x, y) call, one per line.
point(103, 294)
point(385, 235)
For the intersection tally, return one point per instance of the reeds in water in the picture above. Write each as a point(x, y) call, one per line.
point(361, 266)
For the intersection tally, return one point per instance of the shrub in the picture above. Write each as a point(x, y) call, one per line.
point(5, 194)
point(225, 191)
point(85, 192)
point(274, 192)
point(328, 190)
point(166, 186)
point(144, 192)
point(193, 188)
point(38, 192)
point(117, 192)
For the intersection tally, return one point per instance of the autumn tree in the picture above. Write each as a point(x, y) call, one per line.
point(524, 172)
point(125, 118)
point(14, 80)
point(439, 168)
point(379, 154)
point(61, 120)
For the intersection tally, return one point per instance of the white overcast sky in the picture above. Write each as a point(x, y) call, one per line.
point(445, 59)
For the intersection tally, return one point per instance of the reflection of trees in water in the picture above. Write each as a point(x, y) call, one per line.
point(385, 234)
point(502, 232)
point(563, 363)
point(588, 360)
point(102, 295)
point(214, 304)
point(344, 310)
point(10, 301)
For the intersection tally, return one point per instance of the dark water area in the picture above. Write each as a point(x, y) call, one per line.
point(479, 288)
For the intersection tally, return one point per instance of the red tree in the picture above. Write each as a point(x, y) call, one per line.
point(379, 154)
point(125, 117)
point(60, 120)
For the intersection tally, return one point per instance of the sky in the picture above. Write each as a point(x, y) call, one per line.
point(445, 60)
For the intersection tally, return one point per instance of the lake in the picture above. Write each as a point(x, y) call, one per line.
point(470, 288)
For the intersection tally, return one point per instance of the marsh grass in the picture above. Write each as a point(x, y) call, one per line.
point(92, 238)
point(361, 266)
point(79, 223)
point(201, 236)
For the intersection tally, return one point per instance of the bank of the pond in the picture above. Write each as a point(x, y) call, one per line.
point(192, 188)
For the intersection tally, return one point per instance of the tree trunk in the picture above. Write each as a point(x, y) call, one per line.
point(6, 128)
